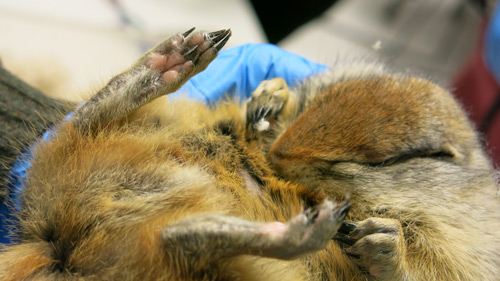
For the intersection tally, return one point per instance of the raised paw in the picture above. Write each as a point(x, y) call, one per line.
point(159, 72)
point(184, 55)
point(377, 245)
point(266, 103)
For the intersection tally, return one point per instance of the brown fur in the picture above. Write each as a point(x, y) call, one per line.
point(124, 191)
point(419, 180)
point(134, 187)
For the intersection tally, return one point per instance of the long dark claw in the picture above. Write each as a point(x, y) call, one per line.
point(186, 34)
point(345, 210)
point(213, 35)
point(352, 255)
point(218, 45)
point(217, 40)
point(347, 227)
point(345, 240)
point(262, 113)
point(266, 113)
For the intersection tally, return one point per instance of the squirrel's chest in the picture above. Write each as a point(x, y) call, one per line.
point(232, 162)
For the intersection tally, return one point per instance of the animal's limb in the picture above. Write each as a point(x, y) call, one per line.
point(221, 236)
point(159, 72)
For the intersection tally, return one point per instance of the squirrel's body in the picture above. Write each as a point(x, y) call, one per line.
point(133, 187)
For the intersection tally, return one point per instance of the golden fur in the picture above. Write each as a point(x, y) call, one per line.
point(135, 187)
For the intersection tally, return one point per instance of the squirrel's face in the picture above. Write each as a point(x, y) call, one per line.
point(363, 127)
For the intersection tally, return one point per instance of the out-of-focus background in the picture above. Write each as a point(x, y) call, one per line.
point(82, 43)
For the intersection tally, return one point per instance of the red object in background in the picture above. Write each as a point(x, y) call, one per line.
point(479, 93)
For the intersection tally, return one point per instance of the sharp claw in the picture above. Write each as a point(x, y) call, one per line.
point(352, 255)
point(212, 35)
point(186, 34)
point(345, 240)
point(266, 113)
point(259, 114)
point(217, 36)
point(218, 40)
point(345, 209)
point(347, 227)
point(218, 45)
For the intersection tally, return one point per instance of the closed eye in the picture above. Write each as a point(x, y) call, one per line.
point(343, 169)
point(441, 155)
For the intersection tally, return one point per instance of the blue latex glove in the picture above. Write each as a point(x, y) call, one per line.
point(235, 72)
point(492, 46)
point(238, 71)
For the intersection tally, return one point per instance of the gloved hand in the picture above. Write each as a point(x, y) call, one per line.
point(235, 73)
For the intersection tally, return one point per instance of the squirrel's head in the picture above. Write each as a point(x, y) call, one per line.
point(375, 123)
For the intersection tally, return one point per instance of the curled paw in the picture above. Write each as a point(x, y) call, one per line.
point(376, 244)
point(266, 103)
point(309, 231)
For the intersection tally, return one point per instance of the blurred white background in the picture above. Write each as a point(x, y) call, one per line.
point(82, 43)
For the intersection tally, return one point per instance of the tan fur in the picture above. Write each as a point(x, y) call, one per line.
point(123, 191)
point(405, 151)
point(135, 187)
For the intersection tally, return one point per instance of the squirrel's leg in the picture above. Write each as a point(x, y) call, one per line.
point(160, 71)
point(220, 236)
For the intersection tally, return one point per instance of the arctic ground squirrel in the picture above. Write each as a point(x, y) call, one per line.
point(136, 187)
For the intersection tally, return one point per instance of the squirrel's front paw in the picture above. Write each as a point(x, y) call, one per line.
point(377, 245)
point(266, 102)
